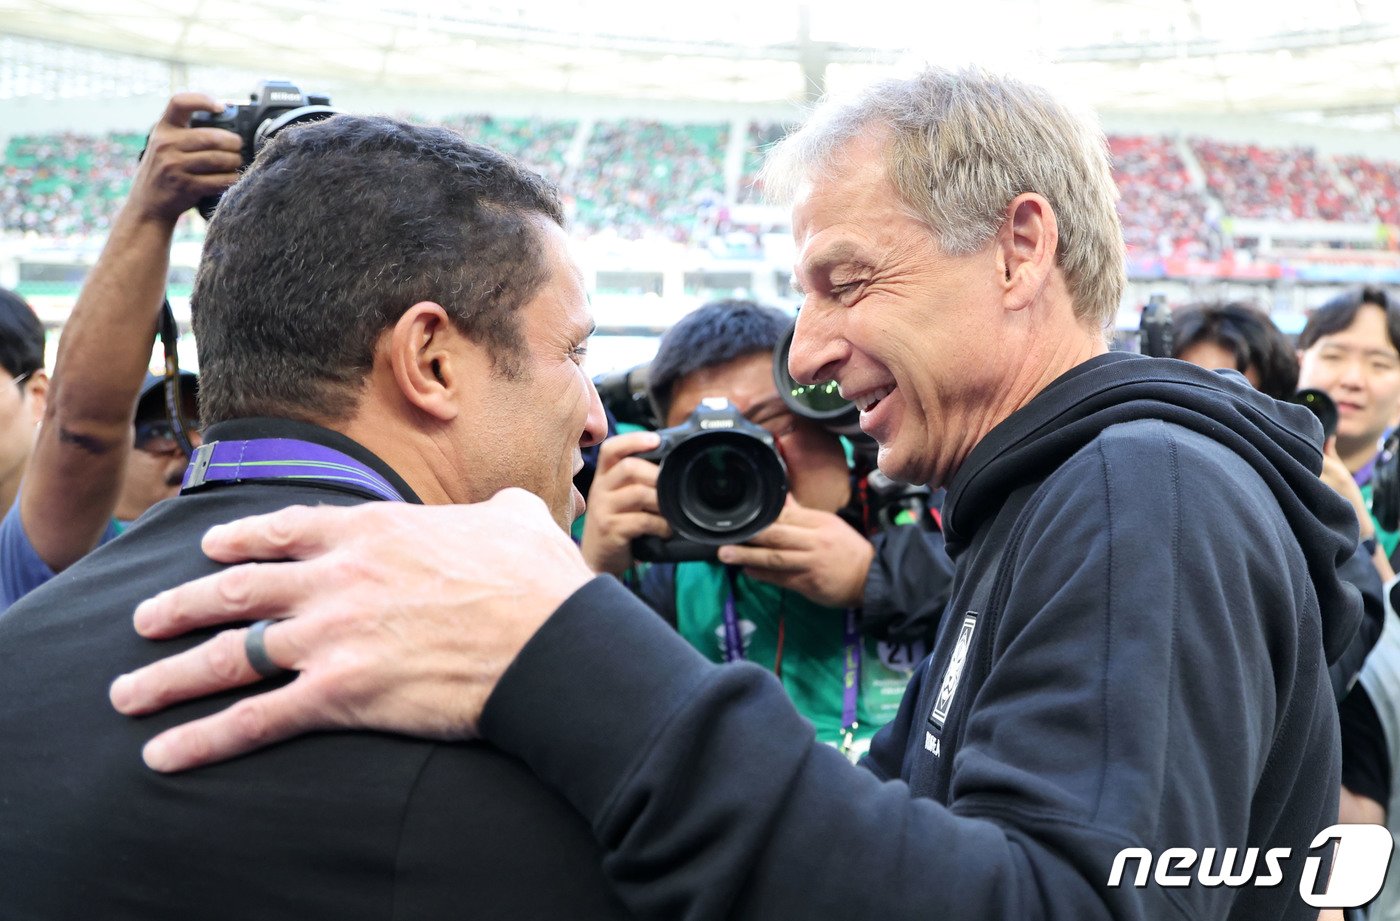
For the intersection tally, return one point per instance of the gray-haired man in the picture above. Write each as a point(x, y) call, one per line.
point(1133, 656)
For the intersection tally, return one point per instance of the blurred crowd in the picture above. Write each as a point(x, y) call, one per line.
point(1281, 184)
point(639, 179)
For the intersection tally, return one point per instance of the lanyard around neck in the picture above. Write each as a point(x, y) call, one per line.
point(286, 459)
point(850, 656)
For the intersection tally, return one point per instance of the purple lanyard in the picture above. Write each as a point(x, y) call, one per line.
point(284, 459)
point(1363, 476)
point(850, 656)
point(733, 642)
point(850, 678)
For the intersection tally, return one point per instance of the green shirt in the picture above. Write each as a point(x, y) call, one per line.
point(812, 637)
point(1387, 539)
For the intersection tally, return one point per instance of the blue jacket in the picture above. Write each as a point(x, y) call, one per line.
point(1135, 655)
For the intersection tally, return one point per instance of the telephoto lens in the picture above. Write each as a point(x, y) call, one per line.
point(821, 402)
point(1322, 407)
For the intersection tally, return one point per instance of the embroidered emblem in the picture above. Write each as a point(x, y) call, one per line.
point(953, 673)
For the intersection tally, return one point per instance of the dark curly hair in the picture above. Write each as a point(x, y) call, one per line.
point(338, 228)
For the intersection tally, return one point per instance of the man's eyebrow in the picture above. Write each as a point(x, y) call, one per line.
point(838, 254)
point(1365, 350)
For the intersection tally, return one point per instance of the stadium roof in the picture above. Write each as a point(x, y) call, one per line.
point(1331, 56)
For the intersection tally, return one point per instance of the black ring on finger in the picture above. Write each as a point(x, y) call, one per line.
point(255, 646)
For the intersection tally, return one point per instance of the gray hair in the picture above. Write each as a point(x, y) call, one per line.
point(962, 145)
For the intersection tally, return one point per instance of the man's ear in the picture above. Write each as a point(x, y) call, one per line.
point(1026, 247)
point(37, 388)
point(431, 360)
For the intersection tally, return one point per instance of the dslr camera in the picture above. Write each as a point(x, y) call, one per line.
point(822, 403)
point(272, 106)
point(624, 393)
point(721, 482)
point(1155, 330)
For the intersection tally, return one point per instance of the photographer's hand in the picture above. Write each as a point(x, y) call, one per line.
point(74, 478)
point(621, 503)
point(812, 552)
point(398, 617)
point(181, 164)
point(1336, 475)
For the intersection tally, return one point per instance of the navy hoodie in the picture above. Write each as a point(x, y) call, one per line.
point(1135, 656)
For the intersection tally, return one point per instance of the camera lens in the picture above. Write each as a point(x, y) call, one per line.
point(1322, 407)
point(822, 398)
point(720, 489)
point(821, 402)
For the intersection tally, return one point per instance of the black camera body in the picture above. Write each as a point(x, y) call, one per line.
point(272, 106)
point(624, 393)
point(1155, 330)
point(721, 482)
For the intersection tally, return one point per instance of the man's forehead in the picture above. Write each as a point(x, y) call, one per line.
point(745, 378)
point(1368, 331)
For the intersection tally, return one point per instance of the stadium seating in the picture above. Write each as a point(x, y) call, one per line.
point(66, 185)
point(647, 179)
point(540, 144)
point(1289, 183)
point(640, 179)
point(1161, 210)
point(761, 136)
point(1377, 186)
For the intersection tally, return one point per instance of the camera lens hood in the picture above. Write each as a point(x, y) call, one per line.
point(822, 403)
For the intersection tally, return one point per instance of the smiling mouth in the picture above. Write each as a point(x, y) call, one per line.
point(865, 402)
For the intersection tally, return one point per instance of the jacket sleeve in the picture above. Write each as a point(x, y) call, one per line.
point(908, 585)
point(1360, 572)
point(712, 799)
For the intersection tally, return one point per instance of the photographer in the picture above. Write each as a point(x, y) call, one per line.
point(793, 583)
point(1237, 336)
point(1350, 349)
point(84, 470)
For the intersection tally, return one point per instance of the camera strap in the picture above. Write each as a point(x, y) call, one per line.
point(850, 680)
point(850, 657)
point(288, 459)
point(1367, 472)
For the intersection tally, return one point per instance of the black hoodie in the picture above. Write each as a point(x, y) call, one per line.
point(1133, 657)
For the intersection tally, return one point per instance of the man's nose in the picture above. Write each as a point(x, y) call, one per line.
point(818, 349)
point(1353, 375)
point(595, 427)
